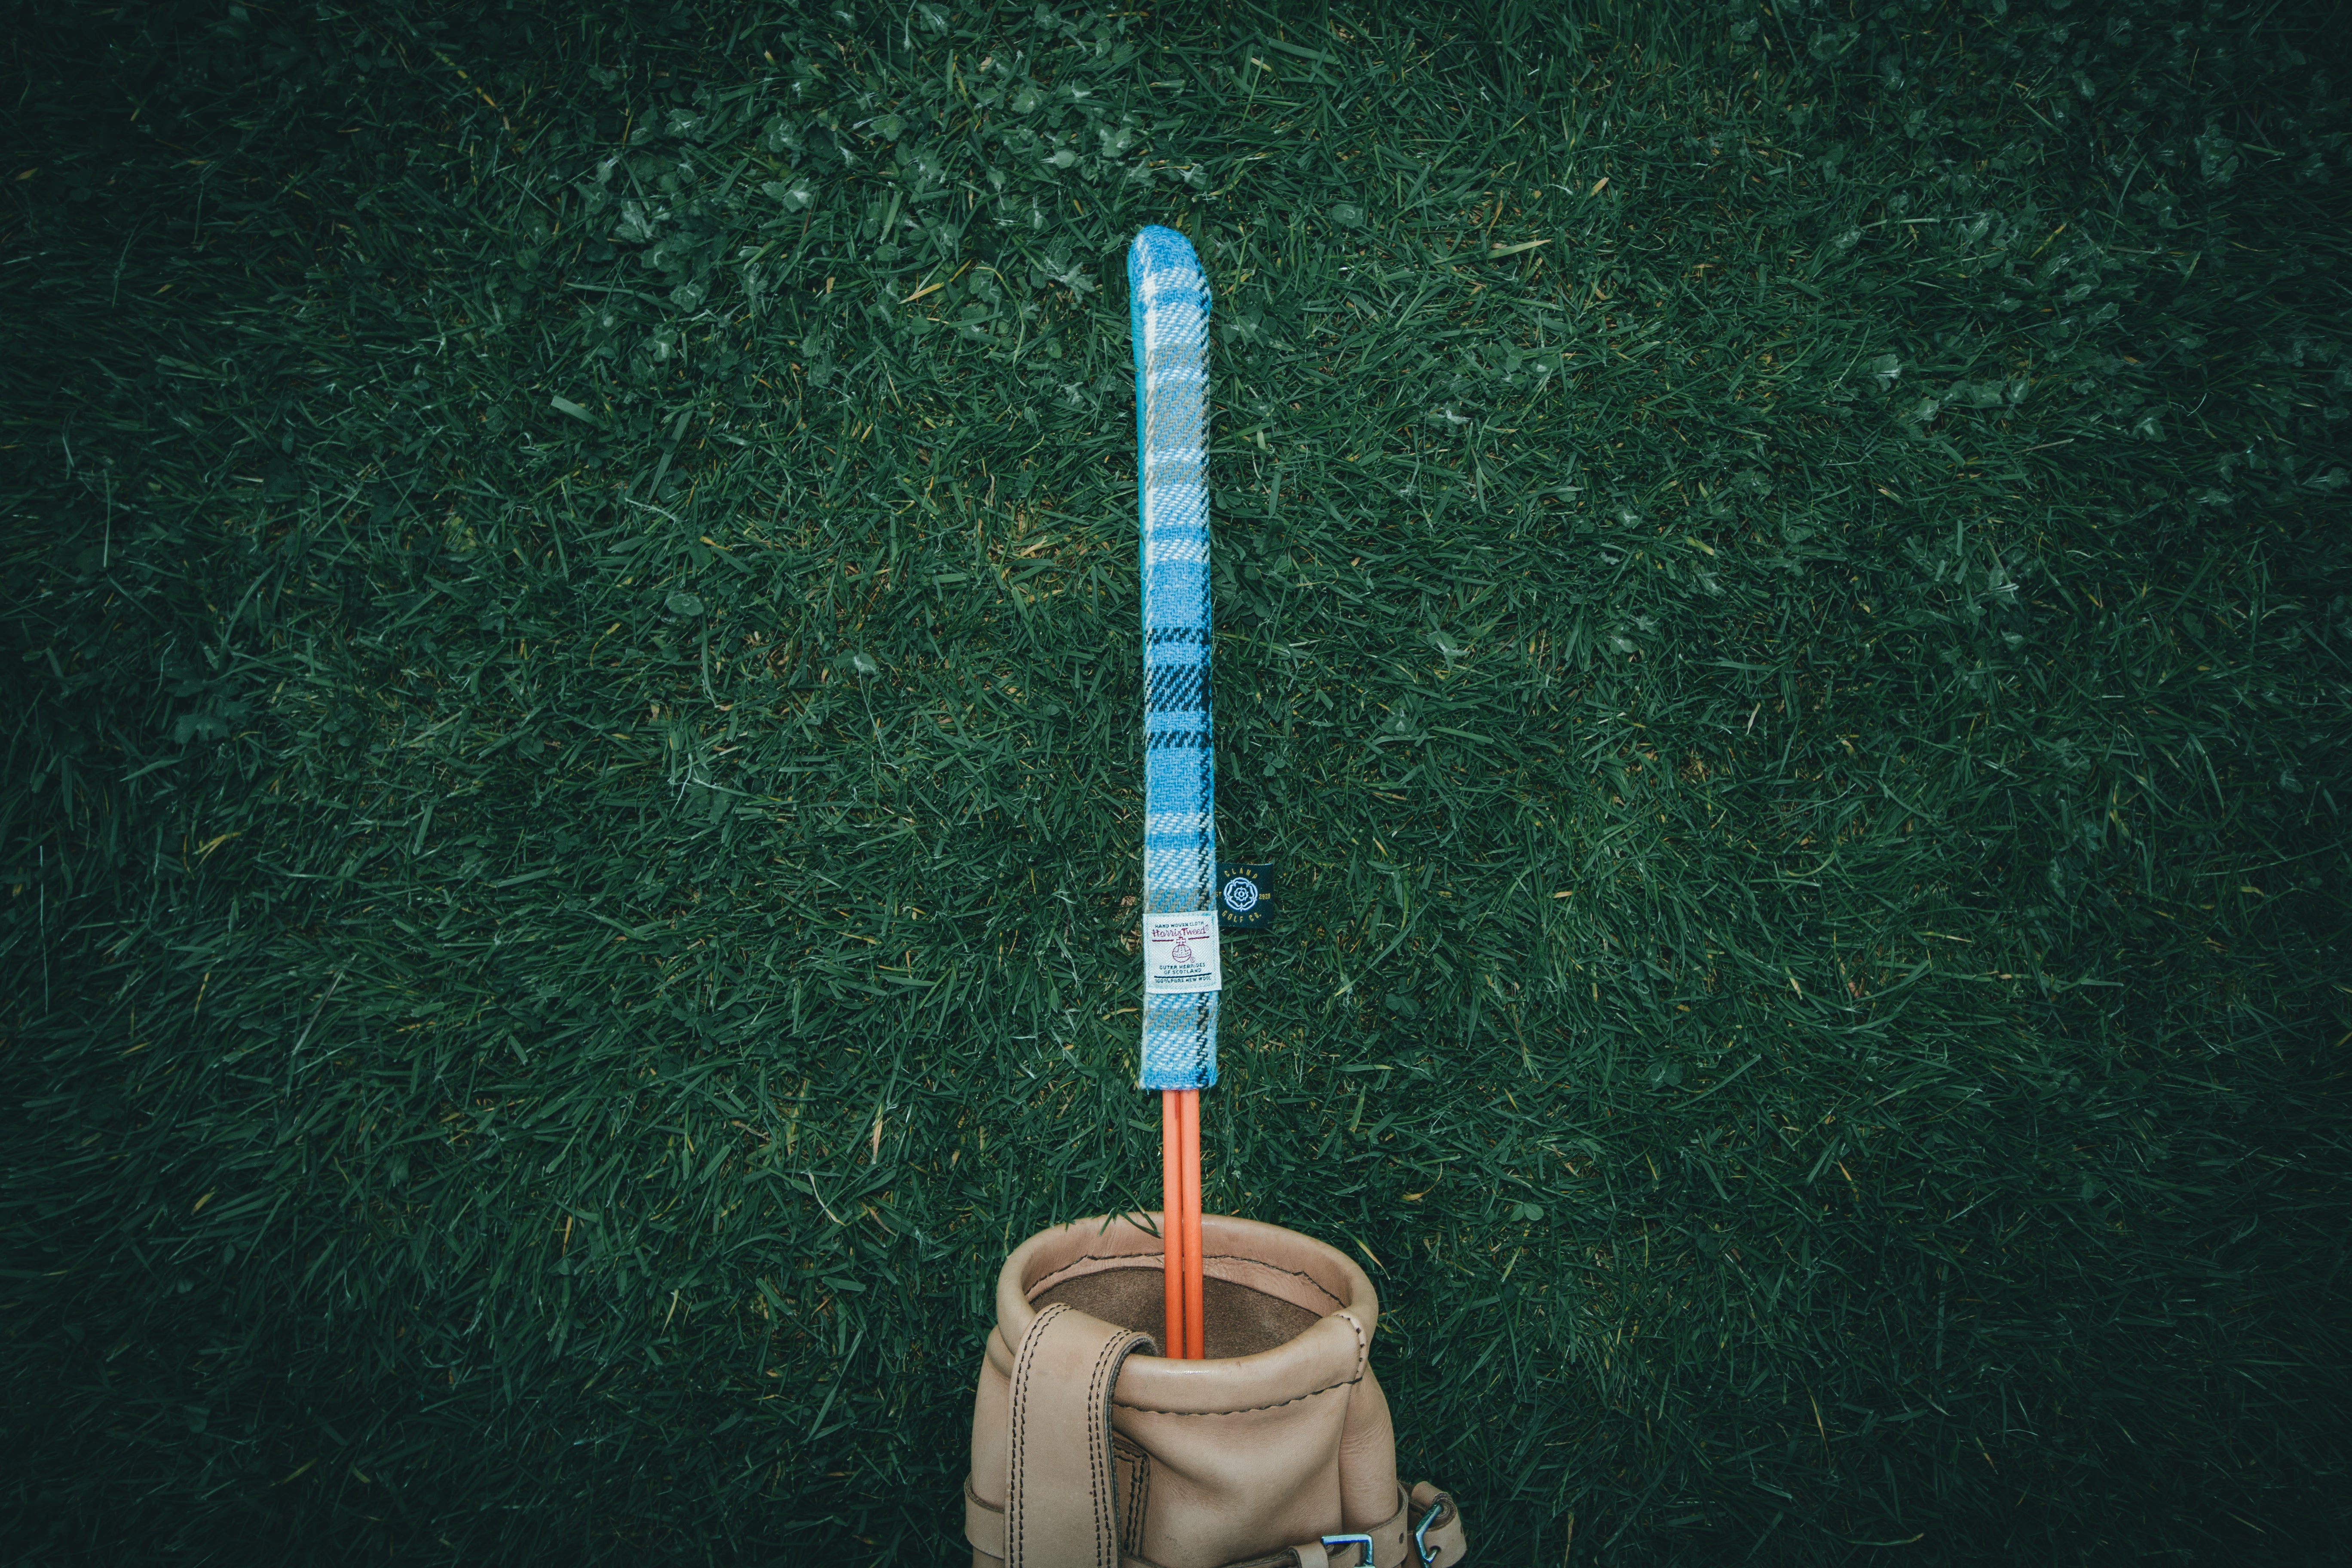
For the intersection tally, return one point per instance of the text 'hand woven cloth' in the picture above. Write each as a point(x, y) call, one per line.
point(1170, 301)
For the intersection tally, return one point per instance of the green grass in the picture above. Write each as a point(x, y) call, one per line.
point(570, 823)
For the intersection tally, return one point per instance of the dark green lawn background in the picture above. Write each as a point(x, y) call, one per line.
point(570, 822)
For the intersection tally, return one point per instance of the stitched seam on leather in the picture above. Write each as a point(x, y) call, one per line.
point(1131, 1259)
point(1015, 1513)
point(1099, 1450)
point(1138, 1490)
point(1243, 1409)
point(1277, 1269)
point(1360, 1338)
point(1138, 1462)
point(1014, 1489)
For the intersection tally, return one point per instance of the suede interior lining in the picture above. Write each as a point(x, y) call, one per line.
point(1241, 1322)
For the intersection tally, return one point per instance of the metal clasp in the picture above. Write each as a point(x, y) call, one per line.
point(1421, 1547)
point(1363, 1541)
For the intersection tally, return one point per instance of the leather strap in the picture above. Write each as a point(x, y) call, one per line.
point(1060, 1510)
point(1392, 1537)
point(983, 1524)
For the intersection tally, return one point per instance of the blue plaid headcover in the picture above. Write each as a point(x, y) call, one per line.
point(1170, 328)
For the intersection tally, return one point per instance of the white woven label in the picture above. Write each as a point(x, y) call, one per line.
point(1179, 953)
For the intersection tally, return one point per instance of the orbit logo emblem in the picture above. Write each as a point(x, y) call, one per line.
point(1241, 895)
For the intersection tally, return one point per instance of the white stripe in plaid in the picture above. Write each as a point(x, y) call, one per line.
point(1169, 319)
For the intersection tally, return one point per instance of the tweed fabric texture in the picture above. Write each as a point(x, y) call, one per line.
point(1169, 322)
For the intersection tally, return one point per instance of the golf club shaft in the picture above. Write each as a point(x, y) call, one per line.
point(1171, 1202)
point(1188, 1106)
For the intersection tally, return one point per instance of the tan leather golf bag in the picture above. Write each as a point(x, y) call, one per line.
point(1089, 1449)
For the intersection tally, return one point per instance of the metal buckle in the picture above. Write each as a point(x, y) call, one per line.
point(1421, 1550)
point(1363, 1541)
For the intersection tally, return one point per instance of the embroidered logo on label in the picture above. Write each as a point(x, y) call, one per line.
point(1244, 894)
point(1179, 953)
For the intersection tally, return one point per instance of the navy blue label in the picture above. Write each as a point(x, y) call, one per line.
point(1245, 895)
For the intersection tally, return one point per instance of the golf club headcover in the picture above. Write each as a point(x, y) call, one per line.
point(1168, 304)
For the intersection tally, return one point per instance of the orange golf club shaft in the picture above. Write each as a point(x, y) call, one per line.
point(1195, 1322)
point(1171, 1203)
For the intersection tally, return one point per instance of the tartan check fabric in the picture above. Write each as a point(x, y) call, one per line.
point(1169, 322)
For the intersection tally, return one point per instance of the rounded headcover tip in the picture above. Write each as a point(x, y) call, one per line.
point(1161, 260)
